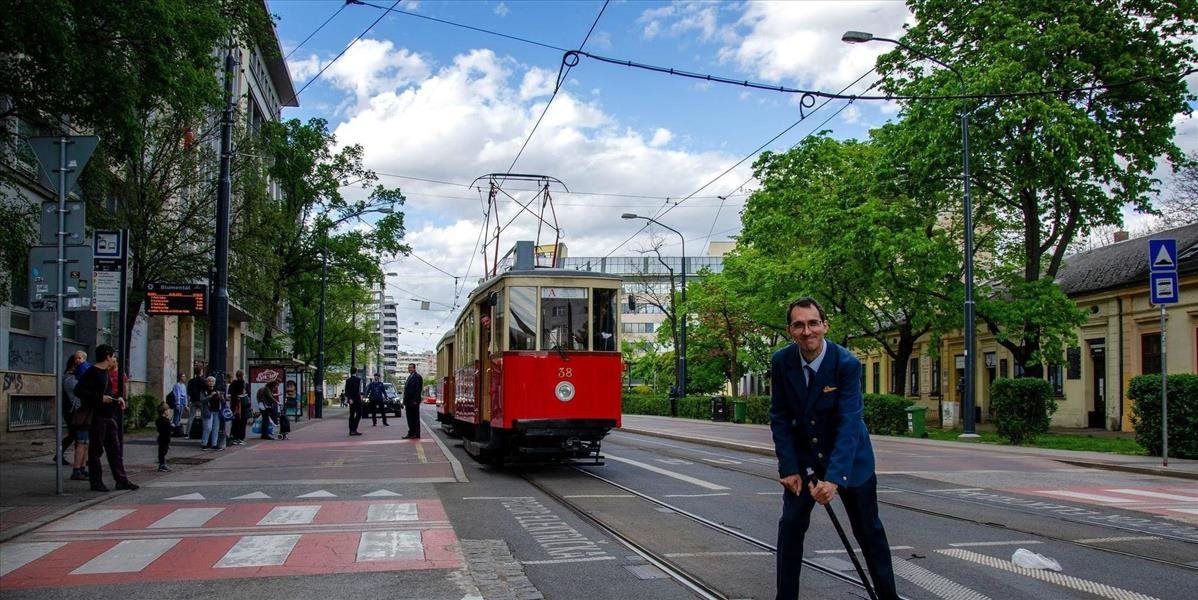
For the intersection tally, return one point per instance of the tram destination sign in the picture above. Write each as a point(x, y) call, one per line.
point(181, 299)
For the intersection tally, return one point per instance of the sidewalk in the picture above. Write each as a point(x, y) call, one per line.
point(27, 488)
point(757, 439)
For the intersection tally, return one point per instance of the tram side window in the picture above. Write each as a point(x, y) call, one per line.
point(604, 325)
point(497, 331)
point(564, 321)
point(522, 332)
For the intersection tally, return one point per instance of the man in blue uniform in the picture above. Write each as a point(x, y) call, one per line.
point(816, 413)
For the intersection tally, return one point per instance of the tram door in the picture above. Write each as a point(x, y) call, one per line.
point(1097, 417)
point(483, 393)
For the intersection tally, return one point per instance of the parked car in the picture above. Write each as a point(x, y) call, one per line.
point(394, 403)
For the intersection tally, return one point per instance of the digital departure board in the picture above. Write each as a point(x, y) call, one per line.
point(184, 299)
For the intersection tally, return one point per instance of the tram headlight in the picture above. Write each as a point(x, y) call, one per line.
point(564, 391)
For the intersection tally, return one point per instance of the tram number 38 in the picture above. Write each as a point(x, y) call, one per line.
point(565, 372)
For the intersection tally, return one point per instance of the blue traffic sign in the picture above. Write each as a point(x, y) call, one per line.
point(1163, 288)
point(1162, 256)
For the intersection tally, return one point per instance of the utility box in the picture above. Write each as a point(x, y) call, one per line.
point(719, 409)
point(915, 422)
point(740, 410)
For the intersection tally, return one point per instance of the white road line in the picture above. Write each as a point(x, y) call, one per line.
point(318, 494)
point(290, 515)
point(404, 511)
point(251, 496)
point(186, 517)
point(600, 496)
point(696, 495)
point(1148, 494)
point(258, 551)
point(699, 554)
point(1126, 538)
point(1067, 581)
point(940, 586)
point(390, 545)
point(858, 550)
point(668, 473)
point(129, 556)
point(16, 555)
point(380, 494)
point(497, 497)
point(769, 493)
point(1188, 511)
point(459, 473)
point(558, 561)
point(956, 490)
point(89, 520)
point(192, 496)
point(722, 461)
point(1085, 496)
point(996, 543)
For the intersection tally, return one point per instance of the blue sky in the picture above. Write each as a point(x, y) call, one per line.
point(433, 101)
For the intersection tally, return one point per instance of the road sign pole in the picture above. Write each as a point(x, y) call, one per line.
point(1164, 396)
point(59, 298)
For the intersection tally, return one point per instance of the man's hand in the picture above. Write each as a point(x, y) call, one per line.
point(794, 483)
point(121, 403)
point(823, 492)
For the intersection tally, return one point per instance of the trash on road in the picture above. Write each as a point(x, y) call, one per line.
point(1030, 560)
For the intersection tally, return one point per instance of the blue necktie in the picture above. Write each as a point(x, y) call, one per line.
point(810, 377)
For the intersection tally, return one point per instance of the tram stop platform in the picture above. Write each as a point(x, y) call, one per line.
point(890, 450)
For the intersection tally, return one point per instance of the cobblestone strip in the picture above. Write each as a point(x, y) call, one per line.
point(498, 575)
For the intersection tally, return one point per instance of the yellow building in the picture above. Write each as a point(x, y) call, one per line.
point(1120, 340)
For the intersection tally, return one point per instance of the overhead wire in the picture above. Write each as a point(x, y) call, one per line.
point(342, 53)
point(461, 25)
point(315, 31)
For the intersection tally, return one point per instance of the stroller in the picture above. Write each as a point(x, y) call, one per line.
point(272, 428)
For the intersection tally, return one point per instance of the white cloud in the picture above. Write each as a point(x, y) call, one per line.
point(302, 70)
point(501, 9)
point(661, 137)
point(373, 67)
point(537, 82)
point(799, 42)
point(851, 114)
point(685, 18)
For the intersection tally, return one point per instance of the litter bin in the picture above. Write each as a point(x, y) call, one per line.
point(739, 410)
point(719, 409)
point(915, 423)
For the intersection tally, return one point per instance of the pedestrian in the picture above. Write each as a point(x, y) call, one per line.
point(816, 412)
point(224, 415)
point(210, 412)
point(165, 429)
point(412, 389)
point(290, 399)
point(94, 394)
point(195, 396)
point(78, 420)
point(179, 392)
point(83, 365)
point(239, 402)
point(353, 393)
point(120, 383)
point(67, 408)
point(376, 392)
point(268, 401)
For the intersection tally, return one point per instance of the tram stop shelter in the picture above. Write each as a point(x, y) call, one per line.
point(287, 371)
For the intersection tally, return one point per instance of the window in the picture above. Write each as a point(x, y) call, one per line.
point(637, 328)
point(1150, 353)
point(1056, 377)
point(895, 384)
point(935, 385)
point(877, 377)
point(603, 326)
point(522, 329)
point(499, 313)
point(29, 411)
point(913, 376)
point(564, 320)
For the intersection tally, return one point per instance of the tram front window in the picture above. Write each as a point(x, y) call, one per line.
point(522, 332)
point(564, 318)
point(605, 321)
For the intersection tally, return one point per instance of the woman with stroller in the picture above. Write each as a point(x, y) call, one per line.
point(268, 406)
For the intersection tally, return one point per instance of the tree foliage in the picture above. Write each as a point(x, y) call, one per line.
point(1047, 168)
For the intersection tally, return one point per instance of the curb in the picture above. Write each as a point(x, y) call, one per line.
point(731, 445)
point(66, 511)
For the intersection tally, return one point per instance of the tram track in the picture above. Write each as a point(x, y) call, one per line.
point(669, 567)
point(661, 449)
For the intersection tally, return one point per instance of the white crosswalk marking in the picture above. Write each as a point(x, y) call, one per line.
point(996, 543)
point(290, 515)
point(252, 496)
point(391, 512)
point(390, 545)
point(380, 494)
point(186, 517)
point(16, 555)
point(318, 494)
point(129, 556)
point(1067, 581)
point(940, 586)
point(192, 496)
point(661, 471)
point(89, 520)
point(1094, 497)
point(259, 551)
point(1148, 494)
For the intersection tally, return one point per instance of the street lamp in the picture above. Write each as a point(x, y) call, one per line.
point(857, 37)
point(324, 278)
point(680, 354)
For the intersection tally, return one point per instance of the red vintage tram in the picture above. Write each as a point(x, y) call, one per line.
point(534, 365)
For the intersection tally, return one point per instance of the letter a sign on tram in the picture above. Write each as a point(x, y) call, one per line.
point(1162, 271)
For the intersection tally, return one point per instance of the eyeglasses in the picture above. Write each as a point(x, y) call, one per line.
point(806, 325)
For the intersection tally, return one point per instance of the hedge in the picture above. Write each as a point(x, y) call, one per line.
point(1145, 395)
point(1022, 408)
point(142, 410)
point(886, 414)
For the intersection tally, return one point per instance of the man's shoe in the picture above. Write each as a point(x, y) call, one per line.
point(355, 433)
point(386, 424)
point(99, 487)
point(163, 469)
point(126, 485)
point(77, 476)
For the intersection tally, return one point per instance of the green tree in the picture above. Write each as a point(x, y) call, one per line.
point(1047, 168)
point(725, 329)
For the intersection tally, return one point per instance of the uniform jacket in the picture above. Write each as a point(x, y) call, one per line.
point(820, 426)
point(412, 389)
point(353, 388)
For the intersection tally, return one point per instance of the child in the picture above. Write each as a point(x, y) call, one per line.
point(165, 427)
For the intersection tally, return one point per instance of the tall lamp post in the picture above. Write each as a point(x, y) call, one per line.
point(324, 279)
point(857, 37)
point(680, 355)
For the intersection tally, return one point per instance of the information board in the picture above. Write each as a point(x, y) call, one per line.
point(182, 299)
